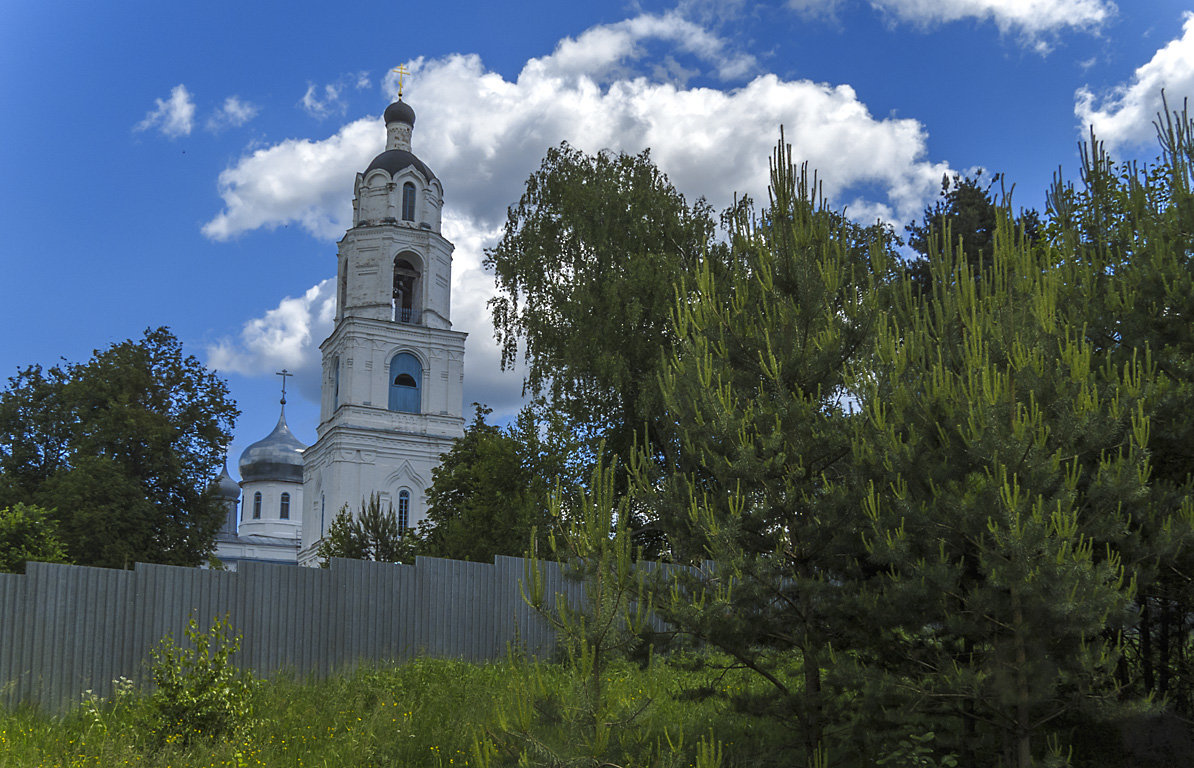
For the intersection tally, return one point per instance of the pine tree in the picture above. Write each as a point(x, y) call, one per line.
point(999, 459)
point(759, 394)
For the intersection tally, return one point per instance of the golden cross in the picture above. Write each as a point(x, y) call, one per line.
point(403, 73)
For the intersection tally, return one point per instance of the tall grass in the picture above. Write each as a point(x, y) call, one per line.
point(429, 712)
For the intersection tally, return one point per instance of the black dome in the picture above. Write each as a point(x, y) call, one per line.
point(394, 160)
point(400, 112)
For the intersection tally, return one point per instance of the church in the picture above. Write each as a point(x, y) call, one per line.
point(393, 375)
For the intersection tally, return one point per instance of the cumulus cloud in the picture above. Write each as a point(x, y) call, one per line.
point(232, 114)
point(484, 134)
point(296, 181)
point(287, 336)
point(1124, 115)
point(1032, 19)
point(174, 116)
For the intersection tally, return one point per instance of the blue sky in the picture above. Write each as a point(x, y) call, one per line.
point(191, 164)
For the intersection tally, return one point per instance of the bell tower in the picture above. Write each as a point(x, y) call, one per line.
point(393, 368)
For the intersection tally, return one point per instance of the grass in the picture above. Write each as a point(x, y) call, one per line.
point(429, 712)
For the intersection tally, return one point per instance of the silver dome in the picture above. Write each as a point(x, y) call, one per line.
point(226, 487)
point(278, 457)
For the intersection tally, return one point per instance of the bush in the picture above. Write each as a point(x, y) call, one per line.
point(198, 693)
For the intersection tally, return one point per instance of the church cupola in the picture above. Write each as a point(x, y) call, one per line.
point(400, 123)
point(227, 491)
point(271, 472)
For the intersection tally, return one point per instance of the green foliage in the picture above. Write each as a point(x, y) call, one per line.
point(962, 219)
point(585, 272)
point(123, 449)
point(585, 719)
point(426, 712)
point(999, 461)
point(493, 488)
point(916, 751)
point(199, 694)
point(1133, 226)
point(372, 534)
point(759, 395)
point(930, 503)
point(28, 533)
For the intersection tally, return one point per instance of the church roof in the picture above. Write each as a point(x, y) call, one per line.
point(394, 160)
point(400, 112)
point(279, 456)
point(226, 487)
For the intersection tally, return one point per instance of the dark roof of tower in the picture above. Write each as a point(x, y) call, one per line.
point(400, 112)
point(279, 456)
point(394, 160)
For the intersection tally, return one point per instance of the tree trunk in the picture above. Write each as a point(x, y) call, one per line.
point(1146, 644)
point(812, 707)
point(1023, 709)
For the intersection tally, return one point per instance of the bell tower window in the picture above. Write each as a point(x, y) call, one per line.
point(405, 282)
point(335, 382)
point(406, 373)
point(408, 202)
point(257, 506)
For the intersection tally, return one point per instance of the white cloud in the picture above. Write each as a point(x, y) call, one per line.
point(233, 114)
point(287, 336)
point(174, 116)
point(483, 135)
point(296, 181)
point(1032, 19)
point(322, 102)
point(1124, 115)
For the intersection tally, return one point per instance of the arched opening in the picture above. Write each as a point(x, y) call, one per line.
point(406, 376)
point(284, 507)
point(408, 202)
point(406, 278)
point(257, 505)
point(403, 511)
point(335, 382)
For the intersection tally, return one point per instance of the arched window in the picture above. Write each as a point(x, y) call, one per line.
point(284, 507)
point(406, 374)
point(405, 278)
point(403, 511)
point(335, 382)
point(257, 506)
point(408, 202)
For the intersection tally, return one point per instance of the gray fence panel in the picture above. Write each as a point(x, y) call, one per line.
point(68, 629)
point(12, 617)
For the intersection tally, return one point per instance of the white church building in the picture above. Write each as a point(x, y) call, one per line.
point(393, 375)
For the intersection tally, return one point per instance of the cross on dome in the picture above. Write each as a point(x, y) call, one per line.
point(283, 373)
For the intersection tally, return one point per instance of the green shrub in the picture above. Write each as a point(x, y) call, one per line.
point(198, 693)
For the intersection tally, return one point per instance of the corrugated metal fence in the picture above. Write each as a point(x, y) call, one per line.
point(67, 629)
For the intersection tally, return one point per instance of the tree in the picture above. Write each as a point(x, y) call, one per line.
point(915, 500)
point(584, 721)
point(373, 534)
point(28, 533)
point(962, 218)
point(758, 390)
point(1133, 226)
point(123, 449)
point(585, 272)
point(1000, 460)
point(493, 488)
